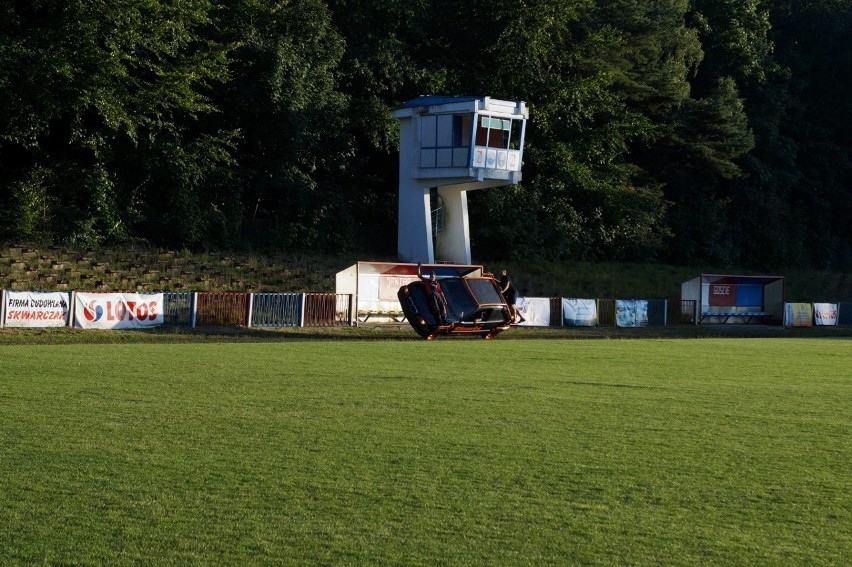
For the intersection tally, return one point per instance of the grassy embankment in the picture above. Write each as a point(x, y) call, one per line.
point(154, 270)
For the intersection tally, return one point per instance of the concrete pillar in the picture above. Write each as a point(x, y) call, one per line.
point(453, 242)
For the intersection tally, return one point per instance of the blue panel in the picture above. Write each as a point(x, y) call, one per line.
point(445, 131)
point(749, 294)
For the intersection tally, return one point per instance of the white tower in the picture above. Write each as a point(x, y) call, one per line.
point(447, 147)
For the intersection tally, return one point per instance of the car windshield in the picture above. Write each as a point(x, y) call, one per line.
point(484, 291)
point(458, 297)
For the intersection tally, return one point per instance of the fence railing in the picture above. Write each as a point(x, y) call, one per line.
point(844, 313)
point(555, 311)
point(178, 308)
point(221, 309)
point(606, 312)
point(327, 309)
point(687, 311)
point(657, 312)
point(276, 309)
point(200, 309)
point(272, 309)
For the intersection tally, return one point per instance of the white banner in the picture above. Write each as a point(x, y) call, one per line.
point(36, 309)
point(536, 311)
point(631, 312)
point(825, 313)
point(118, 310)
point(579, 312)
point(798, 315)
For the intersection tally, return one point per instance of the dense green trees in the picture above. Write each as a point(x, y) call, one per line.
point(687, 130)
point(100, 104)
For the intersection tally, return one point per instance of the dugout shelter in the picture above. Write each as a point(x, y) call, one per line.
point(734, 299)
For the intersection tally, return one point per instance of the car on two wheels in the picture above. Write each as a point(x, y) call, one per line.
point(474, 306)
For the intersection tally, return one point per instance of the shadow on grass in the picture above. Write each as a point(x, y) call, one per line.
point(400, 332)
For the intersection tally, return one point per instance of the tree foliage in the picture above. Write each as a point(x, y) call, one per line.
point(99, 106)
point(687, 130)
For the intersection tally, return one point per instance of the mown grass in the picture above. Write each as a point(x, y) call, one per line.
point(507, 452)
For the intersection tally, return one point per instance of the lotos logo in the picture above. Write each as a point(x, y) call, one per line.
point(130, 310)
point(92, 311)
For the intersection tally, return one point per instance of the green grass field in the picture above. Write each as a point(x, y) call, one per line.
point(454, 452)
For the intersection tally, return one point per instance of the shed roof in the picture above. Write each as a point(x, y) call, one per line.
point(428, 100)
point(738, 279)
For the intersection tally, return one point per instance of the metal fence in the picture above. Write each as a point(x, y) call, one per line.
point(555, 311)
point(327, 309)
point(177, 308)
point(330, 309)
point(606, 312)
point(844, 313)
point(276, 309)
point(657, 312)
point(681, 312)
point(222, 309)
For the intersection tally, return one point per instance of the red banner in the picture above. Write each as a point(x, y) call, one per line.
point(722, 294)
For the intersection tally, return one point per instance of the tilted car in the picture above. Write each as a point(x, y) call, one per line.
point(474, 306)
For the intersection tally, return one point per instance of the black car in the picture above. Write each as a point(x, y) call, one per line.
point(474, 305)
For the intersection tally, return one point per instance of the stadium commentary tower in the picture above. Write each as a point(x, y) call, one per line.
point(447, 147)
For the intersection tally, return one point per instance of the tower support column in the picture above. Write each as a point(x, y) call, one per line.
point(453, 242)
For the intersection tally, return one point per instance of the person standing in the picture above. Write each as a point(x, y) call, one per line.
point(510, 292)
point(434, 294)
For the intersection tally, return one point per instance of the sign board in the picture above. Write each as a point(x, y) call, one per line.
point(579, 312)
point(536, 311)
point(825, 313)
point(389, 285)
point(724, 294)
point(36, 309)
point(631, 312)
point(118, 310)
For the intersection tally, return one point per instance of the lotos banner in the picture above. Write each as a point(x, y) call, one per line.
point(825, 313)
point(118, 310)
point(36, 309)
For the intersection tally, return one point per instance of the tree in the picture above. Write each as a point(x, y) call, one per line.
point(394, 51)
point(295, 135)
point(738, 52)
point(100, 105)
point(812, 41)
point(602, 80)
point(699, 133)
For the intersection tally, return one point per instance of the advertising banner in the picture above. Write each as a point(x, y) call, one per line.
point(579, 312)
point(36, 309)
point(389, 285)
point(825, 313)
point(536, 311)
point(118, 310)
point(631, 312)
point(798, 315)
point(722, 294)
